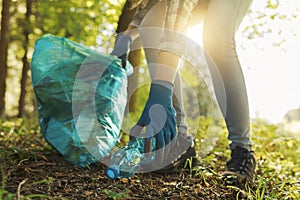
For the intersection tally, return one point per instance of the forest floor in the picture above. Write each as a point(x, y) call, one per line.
point(31, 169)
point(46, 175)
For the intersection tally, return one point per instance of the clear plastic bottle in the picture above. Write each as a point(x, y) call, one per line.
point(125, 160)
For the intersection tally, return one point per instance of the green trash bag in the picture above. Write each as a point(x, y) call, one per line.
point(81, 97)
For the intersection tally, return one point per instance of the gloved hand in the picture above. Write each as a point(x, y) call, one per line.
point(159, 118)
point(122, 48)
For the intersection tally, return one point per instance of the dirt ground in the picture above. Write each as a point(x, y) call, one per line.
point(31, 169)
point(45, 175)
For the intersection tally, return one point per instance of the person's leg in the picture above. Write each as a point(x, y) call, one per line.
point(221, 23)
point(178, 104)
point(165, 76)
point(154, 18)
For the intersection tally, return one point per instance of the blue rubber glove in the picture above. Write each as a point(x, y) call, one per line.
point(122, 48)
point(159, 118)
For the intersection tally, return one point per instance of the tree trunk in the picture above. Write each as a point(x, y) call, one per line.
point(25, 68)
point(134, 56)
point(4, 41)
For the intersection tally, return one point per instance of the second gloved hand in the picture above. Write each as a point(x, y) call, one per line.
point(122, 48)
point(159, 117)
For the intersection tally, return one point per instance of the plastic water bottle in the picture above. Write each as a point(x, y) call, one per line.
point(125, 160)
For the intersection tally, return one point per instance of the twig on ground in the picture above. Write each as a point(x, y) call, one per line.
point(19, 188)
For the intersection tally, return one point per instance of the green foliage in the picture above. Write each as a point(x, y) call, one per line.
point(292, 115)
point(117, 195)
point(271, 18)
point(91, 23)
point(278, 165)
point(21, 132)
point(4, 194)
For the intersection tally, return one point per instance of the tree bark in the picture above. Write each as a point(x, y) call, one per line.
point(4, 42)
point(25, 68)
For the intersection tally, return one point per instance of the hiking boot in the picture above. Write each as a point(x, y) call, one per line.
point(240, 168)
point(184, 152)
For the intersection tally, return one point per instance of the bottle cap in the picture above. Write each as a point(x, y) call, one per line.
point(112, 173)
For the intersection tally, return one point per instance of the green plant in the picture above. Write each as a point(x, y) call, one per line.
point(117, 195)
point(4, 194)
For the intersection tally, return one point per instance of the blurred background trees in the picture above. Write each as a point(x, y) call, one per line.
point(89, 22)
point(4, 41)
